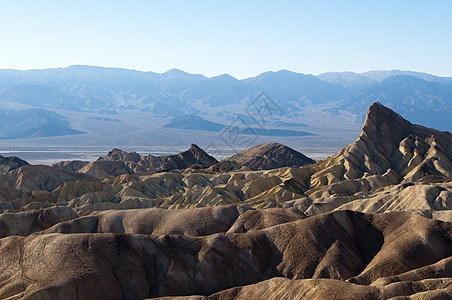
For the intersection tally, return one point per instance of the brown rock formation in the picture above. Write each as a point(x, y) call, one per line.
point(25, 223)
point(24, 180)
point(119, 162)
point(373, 251)
point(10, 163)
point(70, 166)
point(270, 156)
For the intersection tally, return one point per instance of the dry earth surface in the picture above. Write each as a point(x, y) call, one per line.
point(370, 222)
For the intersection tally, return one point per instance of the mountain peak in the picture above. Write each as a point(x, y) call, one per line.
point(382, 121)
point(389, 142)
point(175, 73)
point(270, 156)
point(200, 156)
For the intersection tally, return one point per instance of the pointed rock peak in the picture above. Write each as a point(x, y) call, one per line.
point(382, 121)
point(195, 147)
point(201, 155)
point(377, 108)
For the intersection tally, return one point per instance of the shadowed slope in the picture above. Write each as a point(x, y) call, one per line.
point(270, 156)
point(10, 163)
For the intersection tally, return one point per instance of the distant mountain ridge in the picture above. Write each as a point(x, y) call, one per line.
point(83, 92)
point(101, 83)
point(428, 103)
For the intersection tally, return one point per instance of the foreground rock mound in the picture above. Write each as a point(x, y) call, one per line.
point(319, 289)
point(346, 248)
point(270, 156)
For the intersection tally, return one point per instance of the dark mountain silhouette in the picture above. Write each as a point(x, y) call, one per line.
point(270, 156)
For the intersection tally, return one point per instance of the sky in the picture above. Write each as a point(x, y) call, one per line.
point(240, 38)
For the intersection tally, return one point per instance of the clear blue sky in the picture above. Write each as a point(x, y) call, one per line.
point(241, 38)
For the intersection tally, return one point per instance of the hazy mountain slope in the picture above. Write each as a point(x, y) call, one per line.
point(420, 101)
point(380, 75)
point(42, 96)
point(289, 87)
point(352, 81)
point(82, 78)
point(33, 123)
point(98, 87)
point(194, 122)
point(216, 91)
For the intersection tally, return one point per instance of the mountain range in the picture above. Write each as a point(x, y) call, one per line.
point(83, 99)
